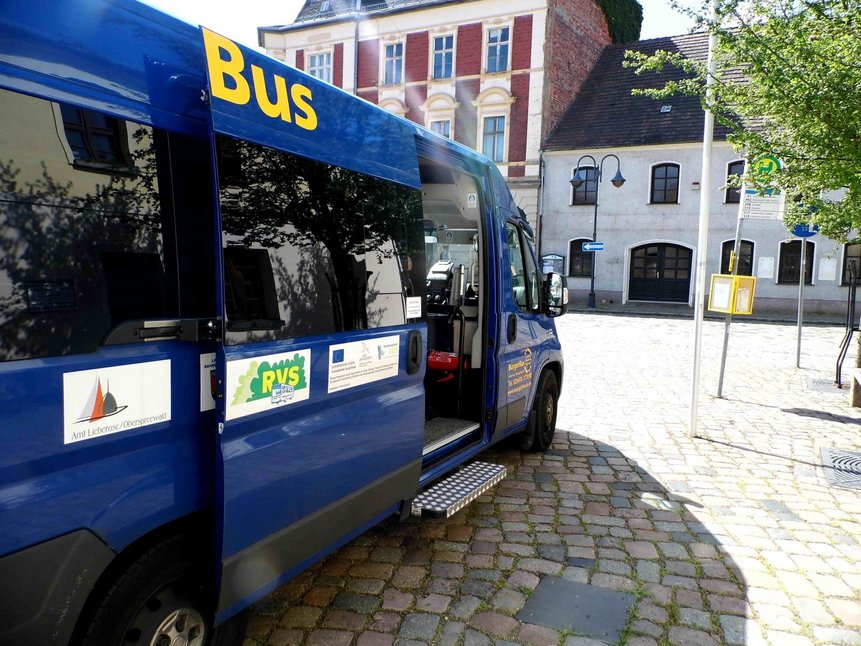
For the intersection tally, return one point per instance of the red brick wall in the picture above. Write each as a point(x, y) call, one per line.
point(465, 125)
point(372, 96)
point(416, 57)
point(521, 43)
point(576, 26)
point(519, 123)
point(468, 49)
point(338, 65)
point(369, 63)
point(416, 95)
point(300, 59)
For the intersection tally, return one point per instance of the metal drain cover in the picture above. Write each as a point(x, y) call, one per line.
point(824, 385)
point(842, 468)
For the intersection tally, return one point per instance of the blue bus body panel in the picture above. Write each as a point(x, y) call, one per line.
point(121, 485)
point(153, 72)
point(344, 132)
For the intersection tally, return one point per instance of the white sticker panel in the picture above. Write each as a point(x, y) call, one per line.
point(362, 362)
point(414, 307)
point(116, 399)
point(264, 383)
point(207, 373)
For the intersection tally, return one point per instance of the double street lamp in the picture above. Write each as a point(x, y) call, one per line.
point(580, 178)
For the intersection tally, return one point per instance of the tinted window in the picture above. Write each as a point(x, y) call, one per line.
point(84, 226)
point(311, 248)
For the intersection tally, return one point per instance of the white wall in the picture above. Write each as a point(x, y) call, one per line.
point(626, 220)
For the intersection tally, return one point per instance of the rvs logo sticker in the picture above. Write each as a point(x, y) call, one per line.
point(261, 384)
point(228, 80)
point(115, 399)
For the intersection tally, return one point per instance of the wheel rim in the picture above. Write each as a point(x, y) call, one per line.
point(182, 627)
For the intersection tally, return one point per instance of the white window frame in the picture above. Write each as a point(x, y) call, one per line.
point(496, 135)
point(439, 132)
point(488, 45)
point(440, 106)
point(649, 183)
point(433, 51)
point(493, 102)
point(325, 67)
point(385, 59)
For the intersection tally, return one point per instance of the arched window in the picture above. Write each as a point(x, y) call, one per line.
point(587, 192)
point(733, 193)
point(744, 260)
point(665, 184)
point(851, 254)
point(790, 262)
point(579, 261)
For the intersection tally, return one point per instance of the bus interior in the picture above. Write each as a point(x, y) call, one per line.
point(454, 248)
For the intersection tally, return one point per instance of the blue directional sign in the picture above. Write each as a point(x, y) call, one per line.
point(593, 246)
point(806, 230)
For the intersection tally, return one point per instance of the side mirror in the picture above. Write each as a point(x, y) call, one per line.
point(555, 294)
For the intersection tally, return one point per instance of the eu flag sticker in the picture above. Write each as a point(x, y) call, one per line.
point(337, 356)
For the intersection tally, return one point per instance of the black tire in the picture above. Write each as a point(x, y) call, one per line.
point(161, 596)
point(544, 412)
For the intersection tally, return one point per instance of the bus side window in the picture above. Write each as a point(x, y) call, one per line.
point(311, 248)
point(83, 227)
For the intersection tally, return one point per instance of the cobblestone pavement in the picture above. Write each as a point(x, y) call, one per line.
point(731, 538)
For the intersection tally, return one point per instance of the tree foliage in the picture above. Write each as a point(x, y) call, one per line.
point(624, 19)
point(788, 84)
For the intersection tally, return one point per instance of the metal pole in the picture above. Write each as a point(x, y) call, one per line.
point(703, 236)
point(591, 302)
point(736, 249)
point(802, 272)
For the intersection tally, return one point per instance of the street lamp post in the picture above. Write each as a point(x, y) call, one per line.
point(578, 180)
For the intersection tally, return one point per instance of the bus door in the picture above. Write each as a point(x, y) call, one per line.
point(323, 400)
point(520, 332)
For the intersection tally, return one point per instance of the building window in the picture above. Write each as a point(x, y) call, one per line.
point(851, 255)
point(665, 184)
point(95, 138)
point(441, 127)
point(790, 262)
point(320, 66)
point(579, 261)
point(744, 260)
point(733, 193)
point(394, 64)
point(587, 192)
point(443, 56)
point(494, 138)
point(497, 50)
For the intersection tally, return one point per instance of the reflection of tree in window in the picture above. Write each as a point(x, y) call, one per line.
point(789, 269)
point(337, 241)
point(78, 253)
point(851, 262)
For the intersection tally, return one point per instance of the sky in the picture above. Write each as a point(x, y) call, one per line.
point(239, 20)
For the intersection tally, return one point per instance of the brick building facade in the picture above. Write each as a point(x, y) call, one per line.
point(494, 76)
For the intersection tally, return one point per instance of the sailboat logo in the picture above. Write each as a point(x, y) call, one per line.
point(100, 405)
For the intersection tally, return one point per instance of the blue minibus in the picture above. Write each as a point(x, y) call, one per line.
point(244, 316)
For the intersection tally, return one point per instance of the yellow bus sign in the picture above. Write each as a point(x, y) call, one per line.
point(732, 294)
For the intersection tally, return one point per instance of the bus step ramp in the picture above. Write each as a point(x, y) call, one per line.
point(456, 491)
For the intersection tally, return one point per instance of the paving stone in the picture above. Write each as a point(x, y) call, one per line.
point(689, 637)
point(363, 603)
point(419, 626)
point(374, 639)
point(465, 607)
point(283, 637)
point(475, 638)
point(695, 618)
point(329, 638)
point(494, 623)
point(508, 599)
point(536, 635)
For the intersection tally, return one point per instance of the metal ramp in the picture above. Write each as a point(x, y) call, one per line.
point(440, 431)
point(457, 490)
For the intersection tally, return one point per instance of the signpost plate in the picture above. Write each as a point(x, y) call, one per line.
point(593, 246)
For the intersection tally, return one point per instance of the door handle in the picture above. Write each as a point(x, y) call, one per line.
point(512, 328)
point(414, 352)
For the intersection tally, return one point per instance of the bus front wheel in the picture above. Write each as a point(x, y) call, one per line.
point(542, 420)
point(160, 600)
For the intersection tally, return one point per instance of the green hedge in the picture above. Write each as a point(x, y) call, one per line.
point(624, 18)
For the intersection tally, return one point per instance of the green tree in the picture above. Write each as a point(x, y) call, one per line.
point(788, 84)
